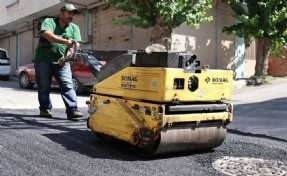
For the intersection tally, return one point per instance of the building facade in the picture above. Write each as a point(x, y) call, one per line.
point(19, 34)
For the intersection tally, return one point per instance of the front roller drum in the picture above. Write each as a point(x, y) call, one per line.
point(179, 139)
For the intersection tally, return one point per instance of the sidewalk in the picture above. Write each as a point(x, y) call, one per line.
point(14, 97)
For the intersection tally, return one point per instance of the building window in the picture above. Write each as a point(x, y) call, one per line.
point(10, 2)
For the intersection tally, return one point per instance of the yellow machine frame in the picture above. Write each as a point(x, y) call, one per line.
point(140, 106)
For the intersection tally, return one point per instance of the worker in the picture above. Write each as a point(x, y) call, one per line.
point(56, 41)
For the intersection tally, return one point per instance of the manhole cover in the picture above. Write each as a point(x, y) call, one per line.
point(250, 166)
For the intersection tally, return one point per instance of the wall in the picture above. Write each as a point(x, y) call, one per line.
point(80, 21)
point(250, 60)
point(140, 38)
point(278, 67)
point(106, 35)
point(27, 45)
point(226, 45)
point(220, 47)
point(212, 47)
point(23, 8)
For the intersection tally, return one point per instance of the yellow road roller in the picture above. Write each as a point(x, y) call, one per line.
point(162, 102)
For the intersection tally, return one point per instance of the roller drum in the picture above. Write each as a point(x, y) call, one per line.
point(179, 139)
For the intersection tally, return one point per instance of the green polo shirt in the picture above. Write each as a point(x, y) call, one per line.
point(55, 51)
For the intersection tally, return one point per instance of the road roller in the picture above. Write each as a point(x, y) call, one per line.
point(159, 102)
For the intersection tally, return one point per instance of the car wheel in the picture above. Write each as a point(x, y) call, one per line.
point(78, 87)
point(25, 82)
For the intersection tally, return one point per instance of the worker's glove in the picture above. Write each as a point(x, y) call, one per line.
point(62, 61)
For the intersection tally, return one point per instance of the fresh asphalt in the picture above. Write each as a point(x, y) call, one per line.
point(261, 110)
point(30, 145)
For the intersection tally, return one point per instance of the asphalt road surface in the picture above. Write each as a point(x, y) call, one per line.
point(30, 145)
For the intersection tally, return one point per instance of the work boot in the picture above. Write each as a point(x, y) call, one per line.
point(46, 113)
point(74, 114)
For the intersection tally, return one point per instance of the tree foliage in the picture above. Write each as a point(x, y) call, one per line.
point(163, 15)
point(265, 21)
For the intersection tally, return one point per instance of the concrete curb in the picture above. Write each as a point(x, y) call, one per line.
point(238, 84)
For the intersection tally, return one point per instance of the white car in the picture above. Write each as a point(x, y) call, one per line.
point(5, 67)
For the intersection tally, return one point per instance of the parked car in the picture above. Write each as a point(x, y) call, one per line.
point(5, 67)
point(83, 79)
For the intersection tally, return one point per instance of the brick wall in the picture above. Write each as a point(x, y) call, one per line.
point(278, 67)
